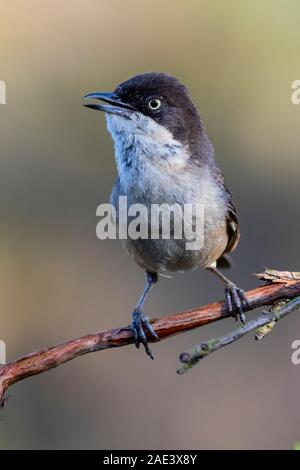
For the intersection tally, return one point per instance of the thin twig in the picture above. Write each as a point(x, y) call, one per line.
point(287, 286)
point(194, 355)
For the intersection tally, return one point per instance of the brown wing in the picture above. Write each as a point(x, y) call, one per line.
point(233, 231)
point(233, 228)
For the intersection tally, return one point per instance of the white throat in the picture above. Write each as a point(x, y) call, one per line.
point(144, 149)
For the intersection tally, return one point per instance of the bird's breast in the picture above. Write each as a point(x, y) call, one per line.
point(154, 168)
point(167, 256)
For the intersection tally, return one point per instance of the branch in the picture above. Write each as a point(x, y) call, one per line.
point(264, 323)
point(281, 285)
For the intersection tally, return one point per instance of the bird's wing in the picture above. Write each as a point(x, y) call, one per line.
point(233, 228)
point(233, 232)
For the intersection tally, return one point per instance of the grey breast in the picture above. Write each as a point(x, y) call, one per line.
point(168, 256)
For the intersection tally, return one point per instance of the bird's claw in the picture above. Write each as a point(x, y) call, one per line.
point(140, 325)
point(236, 301)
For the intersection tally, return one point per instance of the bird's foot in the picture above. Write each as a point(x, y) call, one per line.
point(236, 301)
point(140, 325)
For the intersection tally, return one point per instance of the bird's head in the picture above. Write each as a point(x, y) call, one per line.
point(154, 104)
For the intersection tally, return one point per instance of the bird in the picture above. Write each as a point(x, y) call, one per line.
point(163, 155)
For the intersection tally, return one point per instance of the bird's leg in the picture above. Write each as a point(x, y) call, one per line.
point(140, 322)
point(235, 299)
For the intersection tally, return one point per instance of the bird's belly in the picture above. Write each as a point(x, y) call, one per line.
point(169, 256)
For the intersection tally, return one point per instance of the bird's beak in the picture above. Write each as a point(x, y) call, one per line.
point(115, 106)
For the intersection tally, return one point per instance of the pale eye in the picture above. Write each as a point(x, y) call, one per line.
point(154, 104)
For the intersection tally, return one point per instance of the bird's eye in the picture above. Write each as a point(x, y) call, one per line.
point(154, 104)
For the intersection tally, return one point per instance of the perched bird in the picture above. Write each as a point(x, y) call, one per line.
point(163, 155)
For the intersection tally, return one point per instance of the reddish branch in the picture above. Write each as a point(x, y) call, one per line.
point(281, 285)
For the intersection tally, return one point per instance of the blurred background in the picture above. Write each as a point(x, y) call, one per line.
point(58, 281)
